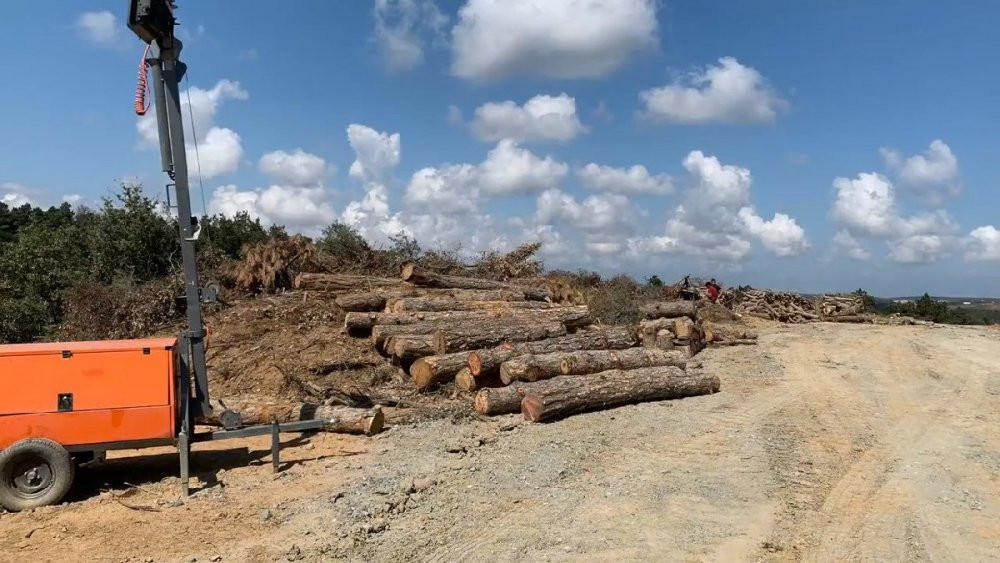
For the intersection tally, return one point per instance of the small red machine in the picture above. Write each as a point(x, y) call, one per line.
point(67, 403)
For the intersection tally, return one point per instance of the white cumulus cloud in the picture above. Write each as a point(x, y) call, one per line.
point(298, 167)
point(727, 93)
point(15, 195)
point(716, 220)
point(632, 180)
point(983, 244)
point(848, 244)
point(510, 169)
point(550, 38)
point(542, 118)
point(867, 206)
point(932, 175)
point(376, 154)
point(301, 209)
point(218, 148)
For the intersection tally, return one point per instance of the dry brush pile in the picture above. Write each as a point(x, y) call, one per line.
point(793, 308)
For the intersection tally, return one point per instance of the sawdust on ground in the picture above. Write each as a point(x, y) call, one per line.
point(828, 442)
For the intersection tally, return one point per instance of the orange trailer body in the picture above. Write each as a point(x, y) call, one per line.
point(82, 394)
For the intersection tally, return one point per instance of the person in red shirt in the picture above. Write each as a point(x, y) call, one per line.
point(712, 289)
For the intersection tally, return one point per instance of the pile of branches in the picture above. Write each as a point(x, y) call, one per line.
point(512, 344)
point(272, 265)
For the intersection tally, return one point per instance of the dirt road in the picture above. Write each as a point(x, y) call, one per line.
point(827, 443)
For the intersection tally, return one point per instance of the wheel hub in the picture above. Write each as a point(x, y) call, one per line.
point(32, 477)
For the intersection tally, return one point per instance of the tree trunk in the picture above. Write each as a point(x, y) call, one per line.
point(668, 309)
point(715, 332)
point(500, 400)
point(369, 301)
point(465, 381)
point(650, 330)
point(581, 362)
point(689, 348)
point(849, 319)
point(530, 367)
point(563, 396)
point(486, 362)
point(360, 323)
point(345, 420)
point(458, 304)
point(418, 276)
point(343, 282)
point(409, 347)
point(433, 370)
point(493, 332)
point(592, 361)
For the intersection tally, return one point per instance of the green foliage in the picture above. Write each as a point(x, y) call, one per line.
point(232, 236)
point(930, 309)
point(654, 281)
point(615, 301)
point(345, 243)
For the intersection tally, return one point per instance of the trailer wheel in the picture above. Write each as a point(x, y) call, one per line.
point(34, 472)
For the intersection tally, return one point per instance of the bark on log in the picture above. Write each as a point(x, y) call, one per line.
point(501, 400)
point(465, 381)
point(345, 420)
point(716, 332)
point(433, 370)
point(369, 301)
point(849, 319)
point(409, 347)
point(592, 361)
point(418, 276)
point(456, 304)
point(668, 309)
point(651, 332)
point(581, 362)
point(664, 340)
point(572, 317)
point(343, 282)
point(486, 362)
point(531, 367)
point(563, 396)
point(684, 327)
point(493, 333)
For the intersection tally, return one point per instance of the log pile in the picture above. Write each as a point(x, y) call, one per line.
point(518, 346)
point(793, 308)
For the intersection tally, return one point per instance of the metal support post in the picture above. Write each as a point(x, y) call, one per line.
point(275, 446)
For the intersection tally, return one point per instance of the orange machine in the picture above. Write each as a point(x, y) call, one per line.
point(84, 394)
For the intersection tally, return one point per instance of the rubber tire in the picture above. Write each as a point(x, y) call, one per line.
point(59, 461)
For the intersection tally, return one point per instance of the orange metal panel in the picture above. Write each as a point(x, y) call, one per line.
point(90, 427)
point(100, 375)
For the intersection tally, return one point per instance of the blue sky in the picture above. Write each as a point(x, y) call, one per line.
point(802, 145)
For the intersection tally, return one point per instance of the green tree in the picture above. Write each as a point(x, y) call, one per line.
point(345, 243)
point(231, 236)
point(654, 281)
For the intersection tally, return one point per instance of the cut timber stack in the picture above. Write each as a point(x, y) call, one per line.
point(670, 325)
point(503, 339)
point(726, 334)
point(775, 305)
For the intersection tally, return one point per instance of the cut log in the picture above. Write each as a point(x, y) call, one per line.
point(493, 333)
point(369, 301)
point(500, 400)
point(684, 328)
point(650, 330)
point(664, 340)
point(343, 282)
point(583, 362)
point(716, 331)
point(418, 276)
point(341, 419)
point(580, 362)
point(668, 309)
point(486, 362)
point(689, 348)
point(563, 396)
point(849, 319)
point(531, 367)
point(409, 347)
point(733, 342)
point(455, 304)
point(359, 323)
point(465, 381)
point(433, 370)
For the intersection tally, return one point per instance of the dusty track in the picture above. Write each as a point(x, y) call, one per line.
point(828, 443)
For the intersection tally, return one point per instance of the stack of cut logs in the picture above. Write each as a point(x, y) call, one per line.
point(674, 325)
point(793, 308)
point(511, 344)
